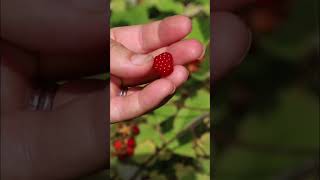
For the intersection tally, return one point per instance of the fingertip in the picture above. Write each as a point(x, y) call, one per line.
point(232, 43)
point(179, 75)
point(165, 87)
point(186, 51)
point(174, 28)
point(197, 48)
point(184, 22)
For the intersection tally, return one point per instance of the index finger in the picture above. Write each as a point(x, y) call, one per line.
point(148, 37)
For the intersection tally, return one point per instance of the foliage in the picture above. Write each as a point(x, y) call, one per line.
point(267, 112)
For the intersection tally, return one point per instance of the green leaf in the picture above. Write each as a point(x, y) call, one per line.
point(196, 32)
point(185, 150)
point(205, 165)
point(184, 172)
point(205, 142)
point(126, 171)
point(148, 132)
point(165, 155)
point(157, 176)
point(200, 100)
point(164, 113)
point(134, 15)
point(143, 151)
point(184, 118)
point(118, 5)
point(202, 176)
point(204, 70)
point(170, 6)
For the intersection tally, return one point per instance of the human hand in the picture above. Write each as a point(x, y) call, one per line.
point(51, 131)
point(132, 50)
point(231, 37)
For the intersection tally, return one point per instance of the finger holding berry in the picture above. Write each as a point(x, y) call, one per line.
point(154, 56)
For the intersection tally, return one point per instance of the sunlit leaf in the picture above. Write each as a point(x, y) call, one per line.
point(143, 151)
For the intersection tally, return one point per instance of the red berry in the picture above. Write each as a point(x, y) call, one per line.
point(135, 130)
point(163, 64)
point(130, 151)
point(122, 157)
point(117, 144)
point(131, 142)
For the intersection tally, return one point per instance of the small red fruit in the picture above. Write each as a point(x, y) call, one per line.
point(131, 142)
point(122, 157)
point(130, 151)
point(117, 144)
point(163, 64)
point(135, 130)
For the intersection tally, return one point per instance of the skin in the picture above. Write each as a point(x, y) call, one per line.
point(40, 47)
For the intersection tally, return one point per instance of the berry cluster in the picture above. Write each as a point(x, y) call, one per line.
point(124, 142)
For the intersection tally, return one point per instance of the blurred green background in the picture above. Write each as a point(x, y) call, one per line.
point(174, 140)
point(266, 112)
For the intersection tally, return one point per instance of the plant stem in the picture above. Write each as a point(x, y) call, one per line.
point(195, 122)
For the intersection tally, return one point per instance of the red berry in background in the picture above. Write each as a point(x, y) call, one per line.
point(131, 142)
point(117, 144)
point(122, 157)
point(193, 66)
point(163, 64)
point(130, 151)
point(135, 130)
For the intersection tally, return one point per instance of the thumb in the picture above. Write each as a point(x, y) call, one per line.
point(127, 64)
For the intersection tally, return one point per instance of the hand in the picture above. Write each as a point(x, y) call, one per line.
point(231, 37)
point(132, 52)
point(51, 131)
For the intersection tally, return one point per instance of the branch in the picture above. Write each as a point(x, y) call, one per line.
point(195, 122)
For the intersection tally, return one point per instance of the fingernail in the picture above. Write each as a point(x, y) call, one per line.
point(173, 90)
point(248, 47)
point(140, 59)
point(203, 53)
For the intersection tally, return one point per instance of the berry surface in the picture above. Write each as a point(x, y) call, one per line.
point(131, 142)
point(163, 64)
point(135, 130)
point(130, 151)
point(117, 144)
